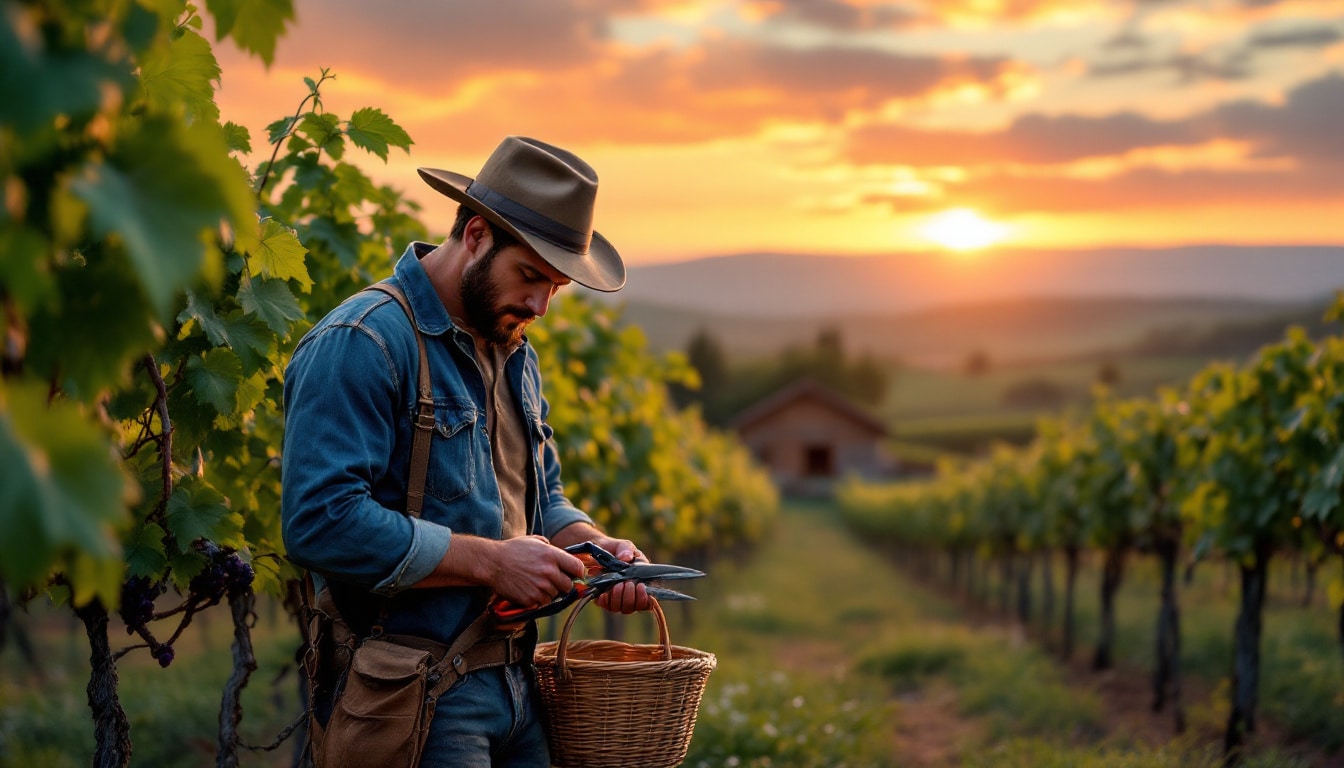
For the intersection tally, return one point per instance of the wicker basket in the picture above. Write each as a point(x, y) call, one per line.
point(618, 705)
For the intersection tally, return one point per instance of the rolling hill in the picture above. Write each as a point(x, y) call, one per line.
point(933, 310)
point(809, 285)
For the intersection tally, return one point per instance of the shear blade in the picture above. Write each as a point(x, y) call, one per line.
point(658, 593)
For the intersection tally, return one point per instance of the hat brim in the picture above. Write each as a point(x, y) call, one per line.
point(600, 268)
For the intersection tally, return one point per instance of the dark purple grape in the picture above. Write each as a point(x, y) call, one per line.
point(163, 654)
point(137, 602)
point(210, 583)
point(238, 573)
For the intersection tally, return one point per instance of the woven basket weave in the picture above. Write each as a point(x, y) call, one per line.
point(618, 705)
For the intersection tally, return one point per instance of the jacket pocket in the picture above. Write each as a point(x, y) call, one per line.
point(452, 454)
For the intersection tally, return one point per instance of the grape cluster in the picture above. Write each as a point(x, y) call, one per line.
point(162, 654)
point(224, 573)
point(137, 601)
point(238, 575)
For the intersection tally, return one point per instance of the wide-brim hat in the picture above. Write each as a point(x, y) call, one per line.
point(544, 196)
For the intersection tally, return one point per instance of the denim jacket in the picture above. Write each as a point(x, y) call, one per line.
point(350, 400)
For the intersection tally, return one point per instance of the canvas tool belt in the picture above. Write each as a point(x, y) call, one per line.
point(384, 687)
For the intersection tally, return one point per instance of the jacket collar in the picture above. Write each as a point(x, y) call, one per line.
point(430, 315)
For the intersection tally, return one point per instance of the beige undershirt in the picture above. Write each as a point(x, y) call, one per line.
point(508, 437)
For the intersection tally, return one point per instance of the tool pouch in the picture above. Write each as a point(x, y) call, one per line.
point(382, 712)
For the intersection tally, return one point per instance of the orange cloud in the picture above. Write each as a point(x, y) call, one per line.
point(596, 90)
point(1291, 152)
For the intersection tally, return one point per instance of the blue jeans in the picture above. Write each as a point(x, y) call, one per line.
point(489, 719)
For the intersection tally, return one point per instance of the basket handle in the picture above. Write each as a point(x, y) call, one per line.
point(663, 636)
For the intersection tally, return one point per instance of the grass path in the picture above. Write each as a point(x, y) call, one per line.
point(814, 605)
point(818, 636)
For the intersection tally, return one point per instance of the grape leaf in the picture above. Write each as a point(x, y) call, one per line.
point(342, 238)
point(88, 343)
point(160, 190)
point(325, 132)
point(279, 254)
point(251, 391)
point(181, 75)
point(45, 80)
point(215, 377)
point(24, 271)
point(250, 339)
point(272, 301)
point(195, 511)
point(279, 129)
point(62, 490)
point(204, 315)
point(255, 25)
point(238, 138)
point(145, 552)
point(373, 130)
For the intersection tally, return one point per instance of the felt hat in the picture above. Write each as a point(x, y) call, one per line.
point(544, 196)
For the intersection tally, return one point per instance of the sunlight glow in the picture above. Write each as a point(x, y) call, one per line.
point(962, 229)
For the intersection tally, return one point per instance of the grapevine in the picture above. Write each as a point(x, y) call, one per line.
point(1244, 462)
point(153, 289)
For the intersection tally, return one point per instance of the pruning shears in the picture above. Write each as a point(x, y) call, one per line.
point(604, 571)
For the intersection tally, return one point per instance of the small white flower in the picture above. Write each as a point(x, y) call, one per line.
point(798, 702)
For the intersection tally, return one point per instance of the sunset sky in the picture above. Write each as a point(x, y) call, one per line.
point(857, 126)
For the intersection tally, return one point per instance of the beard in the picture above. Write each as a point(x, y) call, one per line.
point(501, 325)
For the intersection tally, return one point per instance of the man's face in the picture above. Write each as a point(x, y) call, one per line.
point(505, 290)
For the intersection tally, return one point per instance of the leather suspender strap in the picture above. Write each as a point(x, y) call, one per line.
point(480, 645)
point(424, 416)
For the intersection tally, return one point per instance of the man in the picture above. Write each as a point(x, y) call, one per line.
point(495, 516)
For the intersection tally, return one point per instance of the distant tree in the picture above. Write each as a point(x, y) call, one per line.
point(864, 381)
point(705, 354)
point(977, 363)
point(830, 349)
point(868, 381)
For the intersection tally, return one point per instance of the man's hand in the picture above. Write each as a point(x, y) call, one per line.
point(527, 571)
point(623, 598)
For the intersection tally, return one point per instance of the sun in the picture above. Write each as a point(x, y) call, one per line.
point(962, 229)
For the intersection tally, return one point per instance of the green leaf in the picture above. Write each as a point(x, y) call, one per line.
point(255, 25)
point(324, 130)
point(373, 130)
point(162, 189)
point(181, 76)
point(279, 254)
point(24, 271)
point(87, 341)
point(278, 130)
point(204, 315)
point(215, 377)
point(250, 339)
point(238, 138)
point(195, 511)
point(145, 554)
point(251, 391)
point(272, 301)
point(62, 490)
point(342, 238)
point(42, 79)
point(140, 27)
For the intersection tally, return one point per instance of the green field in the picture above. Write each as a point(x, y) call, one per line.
point(950, 410)
point(828, 655)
